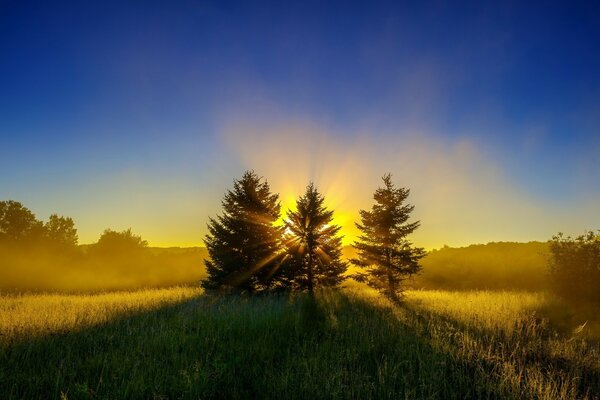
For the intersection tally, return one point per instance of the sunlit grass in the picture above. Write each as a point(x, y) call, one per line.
point(31, 315)
point(510, 334)
point(353, 343)
point(482, 309)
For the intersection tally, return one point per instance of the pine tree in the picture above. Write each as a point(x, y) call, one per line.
point(384, 252)
point(313, 246)
point(243, 243)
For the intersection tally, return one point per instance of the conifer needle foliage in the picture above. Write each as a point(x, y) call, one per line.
point(385, 254)
point(314, 248)
point(244, 242)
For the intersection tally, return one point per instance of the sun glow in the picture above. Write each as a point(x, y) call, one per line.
point(460, 196)
point(341, 217)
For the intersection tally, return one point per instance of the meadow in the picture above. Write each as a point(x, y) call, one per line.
point(350, 343)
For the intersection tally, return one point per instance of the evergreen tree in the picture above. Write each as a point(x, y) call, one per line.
point(313, 247)
point(244, 244)
point(384, 253)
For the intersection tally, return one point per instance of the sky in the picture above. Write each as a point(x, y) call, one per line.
point(140, 114)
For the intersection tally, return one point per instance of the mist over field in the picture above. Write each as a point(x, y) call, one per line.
point(85, 273)
point(495, 266)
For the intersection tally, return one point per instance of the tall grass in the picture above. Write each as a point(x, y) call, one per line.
point(511, 337)
point(351, 344)
point(23, 317)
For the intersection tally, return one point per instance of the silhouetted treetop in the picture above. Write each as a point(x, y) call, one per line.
point(575, 266)
point(314, 248)
point(18, 223)
point(61, 230)
point(244, 242)
point(115, 244)
point(384, 252)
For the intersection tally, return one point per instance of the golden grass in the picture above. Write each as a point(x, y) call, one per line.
point(503, 341)
point(508, 332)
point(32, 315)
point(510, 335)
point(506, 311)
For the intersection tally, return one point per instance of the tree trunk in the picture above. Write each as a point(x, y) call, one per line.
point(391, 283)
point(310, 272)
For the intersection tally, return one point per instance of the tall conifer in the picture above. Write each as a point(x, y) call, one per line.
point(244, 243)
point(314, 248)
point(385, 254)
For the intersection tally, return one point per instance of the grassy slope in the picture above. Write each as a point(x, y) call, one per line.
point(177, 344)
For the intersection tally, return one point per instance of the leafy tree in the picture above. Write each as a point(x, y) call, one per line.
point(384, 252)
point(61, 231)
point(115, 244)
point(18, 224)
point(574, 265)
point(314, 248)
point(244, 243)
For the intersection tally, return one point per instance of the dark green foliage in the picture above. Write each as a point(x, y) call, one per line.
point(20, 228)
point(314, 248)
point(243, 243)
point(18, 225)
point(575, 266)
point(383, 249)
point(61, 231)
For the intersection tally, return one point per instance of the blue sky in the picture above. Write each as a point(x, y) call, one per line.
point(138, 114)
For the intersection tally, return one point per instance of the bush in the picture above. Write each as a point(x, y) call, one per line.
point(575, 267)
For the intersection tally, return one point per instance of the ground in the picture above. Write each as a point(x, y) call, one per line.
point(351, 343)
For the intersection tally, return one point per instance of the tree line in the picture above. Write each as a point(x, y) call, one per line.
point(253, 248)
point(21, 230)
point(19, 227)
point(42, 256)
point(252, 251)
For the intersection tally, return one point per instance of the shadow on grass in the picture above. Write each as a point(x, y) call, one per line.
point(336, 346)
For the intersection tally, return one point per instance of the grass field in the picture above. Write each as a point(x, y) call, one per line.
point(176, 343)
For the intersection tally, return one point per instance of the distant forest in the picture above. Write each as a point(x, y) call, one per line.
point(494, 266)
point(500, 266)
point(249, 251)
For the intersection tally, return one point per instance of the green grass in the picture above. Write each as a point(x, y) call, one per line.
point(343, 345)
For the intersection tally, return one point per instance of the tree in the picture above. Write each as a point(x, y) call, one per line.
point(244, 243)
point(61, 231)
point(314, 248)
point(384, 252)
point(115, 244)
point(574, 266)
point(18, 225)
